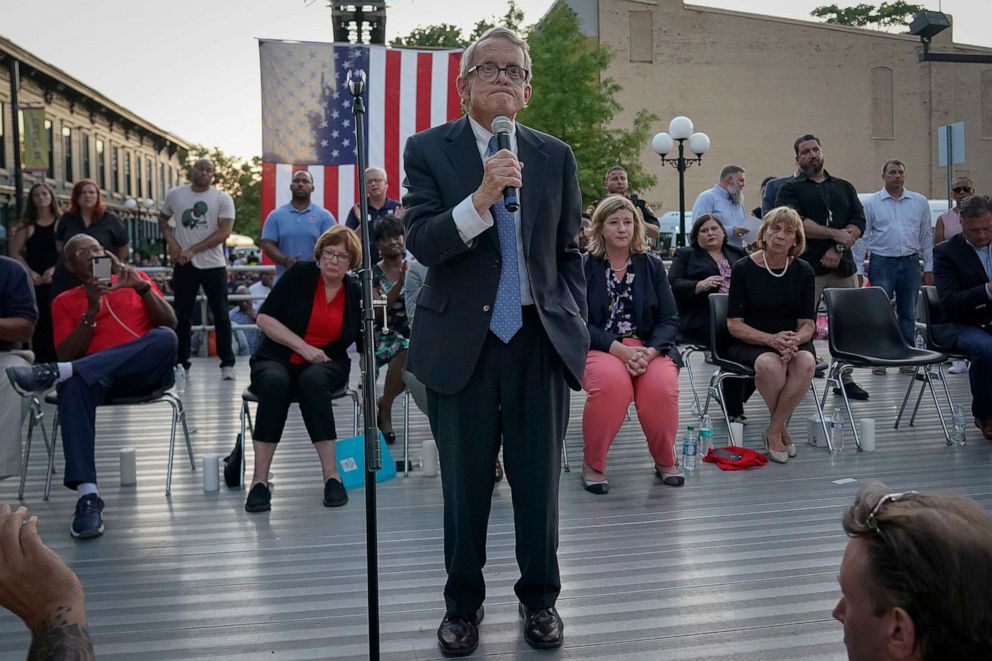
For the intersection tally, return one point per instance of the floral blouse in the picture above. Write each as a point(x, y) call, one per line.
point(725, 268)
point(621, 302)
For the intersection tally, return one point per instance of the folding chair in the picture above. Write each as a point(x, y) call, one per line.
point(159, 396)
point(864, 333)
point(249, 397)
point(720, 339)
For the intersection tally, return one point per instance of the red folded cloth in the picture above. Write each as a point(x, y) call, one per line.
point(735, 458)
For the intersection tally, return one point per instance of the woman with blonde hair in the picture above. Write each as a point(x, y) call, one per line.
point(633, 327)
point(771, 314)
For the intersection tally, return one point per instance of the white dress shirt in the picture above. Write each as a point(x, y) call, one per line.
point(897, 227)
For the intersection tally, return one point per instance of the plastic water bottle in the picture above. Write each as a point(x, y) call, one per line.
point(689, 450)
point(837, 431)
point(705, 435)
point(960, 423)
point(920, 342)
point(180, 385)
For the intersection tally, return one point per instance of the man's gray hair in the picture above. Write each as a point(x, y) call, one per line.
point(498, 32)
point(729, 170)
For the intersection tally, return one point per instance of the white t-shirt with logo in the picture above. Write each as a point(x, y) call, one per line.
point(195, 216)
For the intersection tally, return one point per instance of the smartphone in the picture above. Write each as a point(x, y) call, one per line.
point(102, 268)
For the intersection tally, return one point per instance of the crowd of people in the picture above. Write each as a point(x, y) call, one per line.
point(540, 303)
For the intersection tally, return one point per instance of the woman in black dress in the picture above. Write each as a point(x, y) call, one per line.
point(87, 215)
point(698, 270)
point(771, 313)
point(33, 245)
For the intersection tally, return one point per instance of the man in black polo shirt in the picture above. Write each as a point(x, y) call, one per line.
point(380, 204)
point(833, 220)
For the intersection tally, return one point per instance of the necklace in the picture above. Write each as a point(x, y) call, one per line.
point(618, 270)
point(769, 269)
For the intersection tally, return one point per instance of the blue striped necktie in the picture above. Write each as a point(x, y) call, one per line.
point(507, 318)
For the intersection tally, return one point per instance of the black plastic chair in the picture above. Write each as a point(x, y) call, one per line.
point(720, 339)
point(864, 332)
point(163, 395)
point(249, 397)
point(928, 310)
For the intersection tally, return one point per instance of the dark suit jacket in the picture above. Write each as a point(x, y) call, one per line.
point(455, 304)
point(691, 265)
point(291, 303)
point(960, 279)
point(655, 317)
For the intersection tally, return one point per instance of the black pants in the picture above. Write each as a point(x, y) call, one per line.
point(516, 395)
point(186, 283)
point(277, 383)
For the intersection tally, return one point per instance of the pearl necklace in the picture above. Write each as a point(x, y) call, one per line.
point(618, 270)
point(769, 269)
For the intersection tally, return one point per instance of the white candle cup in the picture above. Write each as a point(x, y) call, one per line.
point(129, 468)
point(867, 435)
point(737, 433)
point(211, 465)
point(428, 453)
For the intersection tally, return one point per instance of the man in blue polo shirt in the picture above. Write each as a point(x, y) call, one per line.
point(291, 231)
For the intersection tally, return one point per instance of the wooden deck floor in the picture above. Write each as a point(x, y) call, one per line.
point(732, 566)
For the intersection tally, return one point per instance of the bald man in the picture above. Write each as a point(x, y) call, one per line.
point(376, 186)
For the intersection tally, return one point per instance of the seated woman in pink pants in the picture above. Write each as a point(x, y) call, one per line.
point(633, 327)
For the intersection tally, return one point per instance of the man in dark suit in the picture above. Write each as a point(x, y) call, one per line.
point(963, 274)
point(499, 332)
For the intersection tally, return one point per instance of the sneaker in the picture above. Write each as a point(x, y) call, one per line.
point(259, 499)
point(33, 378)
point(334, 493)
point(880, 371)
point(87, 522)
point(227, 373)
point(958, 367)
point(854, 391)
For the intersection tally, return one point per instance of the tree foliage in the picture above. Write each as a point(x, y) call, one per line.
point(886, 15)
point(240, 179)
point(445, 35)
point(572, 103)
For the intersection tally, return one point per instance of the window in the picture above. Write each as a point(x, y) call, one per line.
point(882, 103)
point(67, 154)
point(3, 138)
point(127, 173)
point(148, 177)
point(84, 153)
point(986, 104)
point(115, 169)
point(139, 174)
point(170, 177)
point(101, 165)
point(51, 149)
point(641, 35)
point(162, 190)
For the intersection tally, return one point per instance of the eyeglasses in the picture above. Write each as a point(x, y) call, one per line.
point(872, 520)
point(335, 256)
point(962, 189)
point(489, 72)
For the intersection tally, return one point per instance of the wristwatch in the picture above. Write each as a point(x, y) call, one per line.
point(88, 321)
point(840, 247)
point(147, 288)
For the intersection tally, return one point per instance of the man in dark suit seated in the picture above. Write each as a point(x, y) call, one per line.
point(500, 329)
point(963, 275)
point(112, 338)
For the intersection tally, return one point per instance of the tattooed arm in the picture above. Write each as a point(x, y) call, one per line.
point(38, 587)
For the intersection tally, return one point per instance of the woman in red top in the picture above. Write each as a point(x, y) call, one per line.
point(310, 319)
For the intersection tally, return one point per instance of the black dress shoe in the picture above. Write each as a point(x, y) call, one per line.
point(854, 391)
point(543, 628)
point(458, 635)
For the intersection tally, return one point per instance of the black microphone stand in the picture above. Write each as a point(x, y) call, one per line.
point(373, 456)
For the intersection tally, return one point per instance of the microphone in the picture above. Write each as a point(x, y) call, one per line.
point(502, 128)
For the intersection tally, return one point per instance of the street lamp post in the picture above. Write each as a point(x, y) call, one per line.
point(680, 130)
point(137, 207)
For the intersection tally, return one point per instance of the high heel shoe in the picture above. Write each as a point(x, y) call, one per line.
point(388, 436)
point(790, 449)
point(778, 456)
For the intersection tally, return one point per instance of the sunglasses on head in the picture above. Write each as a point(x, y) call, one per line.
point(962, 189)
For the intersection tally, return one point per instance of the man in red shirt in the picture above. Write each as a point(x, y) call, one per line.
point(111, 340)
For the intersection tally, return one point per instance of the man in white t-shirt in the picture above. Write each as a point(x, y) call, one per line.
point(202, 220)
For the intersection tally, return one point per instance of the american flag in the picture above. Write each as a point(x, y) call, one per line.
point(307, 121)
